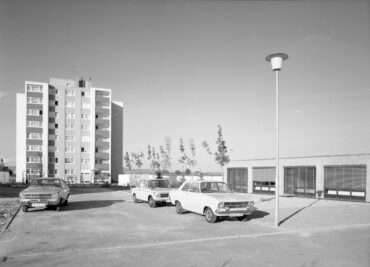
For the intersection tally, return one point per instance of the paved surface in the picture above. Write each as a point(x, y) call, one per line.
point(108, 229)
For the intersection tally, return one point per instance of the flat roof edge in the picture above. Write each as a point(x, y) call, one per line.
point(303, 157)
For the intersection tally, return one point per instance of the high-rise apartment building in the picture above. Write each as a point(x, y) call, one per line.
point(64, 129)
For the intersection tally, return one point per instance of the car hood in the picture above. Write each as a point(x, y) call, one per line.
point(229, 197)
point(161, 190)
point(41, 189)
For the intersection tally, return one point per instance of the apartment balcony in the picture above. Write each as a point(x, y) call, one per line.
point(103, 121)
point(103, 100)
point(102, 155)
point(102, 166)
point(102, 133)
point(102, 144)
point(103, 111)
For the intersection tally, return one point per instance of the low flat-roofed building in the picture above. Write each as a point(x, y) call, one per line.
point(344, 177)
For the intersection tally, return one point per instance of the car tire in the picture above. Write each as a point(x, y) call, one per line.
point(59, 206)
point(179, 209)
point(134, 198)
point(151, 202)
point(210, 216)
point(243, 218)
point(25, 208)
point(66, 201)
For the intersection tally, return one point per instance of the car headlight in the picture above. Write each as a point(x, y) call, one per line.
point(54, 196)
point(221, 205)
point(157, 194)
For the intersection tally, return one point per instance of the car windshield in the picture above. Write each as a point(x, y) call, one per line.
point(159, 184)
point(46, 182)
point(214, 187)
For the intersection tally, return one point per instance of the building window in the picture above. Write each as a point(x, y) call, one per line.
point(56, 126)
point(85, 93)
point(84, 127)
point(36, 136)
point(70, 115)
point(56, 102)
point(34, 100)
point(69, 171)
point(34, 88)
point(85, 105)
point(69, 149)
point(53, 160)
point(85, 138)
point(34, 148)
point(70, 126)
point(70, 93)
point(85, 116)
point(70, 104)
point(34, 171)
point(85, 161)
point(34, 159)
point(69, 160)
point(37, 124)
point(34, 112)
point(56, 114)
point(69, 138)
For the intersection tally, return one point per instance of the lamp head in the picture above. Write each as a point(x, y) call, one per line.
point(276, 60)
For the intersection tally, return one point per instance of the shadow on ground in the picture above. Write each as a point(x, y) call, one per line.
point(92, 204)
point(82, 205)
point(298, 211)
point(258, 214)
point(89, 190)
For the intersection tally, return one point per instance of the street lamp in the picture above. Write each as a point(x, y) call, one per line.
point(276, 61)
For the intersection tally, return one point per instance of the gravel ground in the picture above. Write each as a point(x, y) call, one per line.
point(8, 206)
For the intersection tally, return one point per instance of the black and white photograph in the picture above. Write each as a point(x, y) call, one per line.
point(185, 133)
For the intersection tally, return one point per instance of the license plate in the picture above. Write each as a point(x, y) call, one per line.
point(236, 214)
point(38, 205)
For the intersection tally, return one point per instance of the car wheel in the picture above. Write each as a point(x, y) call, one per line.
point(59, 206)
point(25, 208)
point(179, 208)
point(66, 201)
point(210, 216)
point(134, 198)
point(152, 203)
point(242, 218)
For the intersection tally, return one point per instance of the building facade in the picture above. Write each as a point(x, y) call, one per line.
point(64, 129)
point(344, 177)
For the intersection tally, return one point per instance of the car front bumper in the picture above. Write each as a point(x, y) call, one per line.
point(235, 212)
point(162, 199)
point(39, 203)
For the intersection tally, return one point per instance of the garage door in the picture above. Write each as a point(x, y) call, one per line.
point(345, 182)
point(264, 179)
point(237, 179)
point(300, 181)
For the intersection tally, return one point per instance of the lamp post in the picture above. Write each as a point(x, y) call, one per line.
point(276, 61)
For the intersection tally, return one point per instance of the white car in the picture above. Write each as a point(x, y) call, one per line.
point(212, 199)
point(153, 191)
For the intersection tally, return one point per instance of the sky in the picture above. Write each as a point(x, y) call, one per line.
point(183, 67)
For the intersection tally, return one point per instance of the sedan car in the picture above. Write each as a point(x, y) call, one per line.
point(153, 191)
point(44, 192)
point(212, 199)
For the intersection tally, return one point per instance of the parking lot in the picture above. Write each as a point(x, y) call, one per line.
point(108, 229)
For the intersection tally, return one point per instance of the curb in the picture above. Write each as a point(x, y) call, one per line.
point(10, 221)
